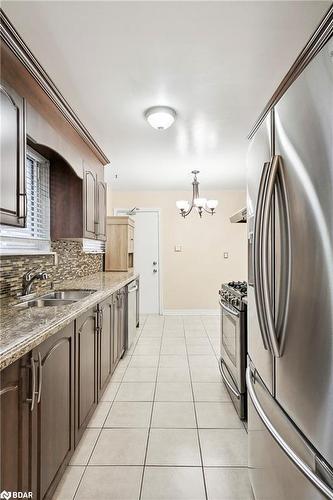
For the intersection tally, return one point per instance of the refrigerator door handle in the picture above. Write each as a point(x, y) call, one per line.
point(257, 264)
point(275, 180)
point(266, 216)
point(297, 461)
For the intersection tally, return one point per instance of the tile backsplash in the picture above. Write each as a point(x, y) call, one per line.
point(70, 262)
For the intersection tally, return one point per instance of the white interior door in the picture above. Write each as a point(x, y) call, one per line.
point(146, 258)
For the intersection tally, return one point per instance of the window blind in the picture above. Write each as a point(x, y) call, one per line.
point(38, 210)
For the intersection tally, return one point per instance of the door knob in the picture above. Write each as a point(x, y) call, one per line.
point(154, 270)
point(154, 263)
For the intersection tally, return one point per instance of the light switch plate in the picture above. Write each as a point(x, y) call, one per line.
point(225, 255)
point(178, 248)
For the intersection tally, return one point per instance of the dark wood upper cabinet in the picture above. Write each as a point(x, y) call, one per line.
point(52, 430)
point(12, 164)
point(86, 370)
point(14, 425)
point(89, 204)
point(78, 206)
point(101, 210)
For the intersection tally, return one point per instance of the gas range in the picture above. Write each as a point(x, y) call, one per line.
point(233, 293)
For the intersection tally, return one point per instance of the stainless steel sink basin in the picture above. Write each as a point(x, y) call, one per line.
point(68, 294)
point(44, 303)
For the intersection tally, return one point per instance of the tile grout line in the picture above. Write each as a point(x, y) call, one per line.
point(101, 428)
point(151, 415)
point(196, 419)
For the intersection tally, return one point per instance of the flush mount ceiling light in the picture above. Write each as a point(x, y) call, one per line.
point(160, 117)
point(201, 204)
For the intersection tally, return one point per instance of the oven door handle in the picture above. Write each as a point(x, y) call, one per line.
point(226, 381)
point(234, 313)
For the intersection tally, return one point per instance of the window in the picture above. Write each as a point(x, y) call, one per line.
point(35, 237)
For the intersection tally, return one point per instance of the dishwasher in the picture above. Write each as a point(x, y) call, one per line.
point(132, 290)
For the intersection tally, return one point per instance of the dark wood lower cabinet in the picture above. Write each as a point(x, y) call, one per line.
point(15, 463)
point(122, 321)
point(48, 396)
point(52, 426)
point(105, 344)
point(86, 370)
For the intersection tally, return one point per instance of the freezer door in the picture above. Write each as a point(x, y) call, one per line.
point(259, 155)
point(273, 474)
point(304, 139)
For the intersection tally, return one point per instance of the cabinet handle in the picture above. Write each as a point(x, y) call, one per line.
point(8, 389)
point(25, 213)
point(40, 374)
point(33, 376)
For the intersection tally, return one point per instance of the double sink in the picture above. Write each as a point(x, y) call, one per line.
point(56, 298)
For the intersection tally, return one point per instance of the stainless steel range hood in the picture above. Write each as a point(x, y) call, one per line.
point(240, 216)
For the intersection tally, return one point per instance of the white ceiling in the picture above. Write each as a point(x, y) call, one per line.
point(216, 63)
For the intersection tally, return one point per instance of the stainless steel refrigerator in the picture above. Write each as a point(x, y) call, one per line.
point(290, 293)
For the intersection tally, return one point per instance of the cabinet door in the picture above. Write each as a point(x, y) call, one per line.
point(89, 204)
point(54, 410)
point(86, 370)
point(130, 239)
point(12, 156)
point(14, 413)
point(104, 345)
point(101, 210)
point(122, 322)
point(115, 331)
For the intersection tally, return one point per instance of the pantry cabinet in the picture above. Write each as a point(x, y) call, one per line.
point(12, 158)
point(119, 254)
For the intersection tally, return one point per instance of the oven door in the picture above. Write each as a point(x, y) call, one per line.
point(231, 366)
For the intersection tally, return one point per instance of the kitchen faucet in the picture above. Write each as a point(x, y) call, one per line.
point(29, 278)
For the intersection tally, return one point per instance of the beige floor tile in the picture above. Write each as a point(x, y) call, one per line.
point(110, 483)
point(118, 374)
point(173, 348)
point(111, 391)
point(204, 373)
point(147, 350)
point(173, 374)
point(223, 447)
point(172, 361)
point(85, 447)
point(136, 391)
point(173, 334)
point(146, 361)
point(210, 391)
point(173, 483)
point(173, 415)
point(173, 391)
point(151, 334)
point(120, 447)
point(140, 374)
point(173, 447)
point(100, 414)
point(217, 416)
point(69, 483)
point(198, 350)
point(129, 414)
point(228, 484)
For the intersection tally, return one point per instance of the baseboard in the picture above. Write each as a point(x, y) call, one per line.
point(191, 312)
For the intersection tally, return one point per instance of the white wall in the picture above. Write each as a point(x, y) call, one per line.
point(191, 278)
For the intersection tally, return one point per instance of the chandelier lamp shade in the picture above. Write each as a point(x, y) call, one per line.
point(199, 203)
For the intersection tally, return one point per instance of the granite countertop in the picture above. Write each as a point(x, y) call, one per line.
point(22, 330)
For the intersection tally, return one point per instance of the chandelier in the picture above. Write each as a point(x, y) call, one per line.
point(201, 204)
